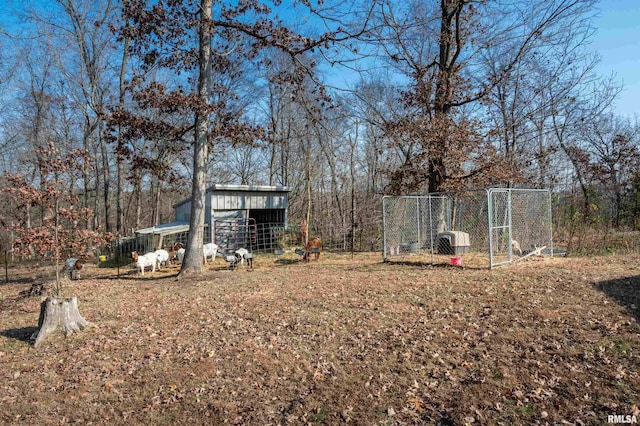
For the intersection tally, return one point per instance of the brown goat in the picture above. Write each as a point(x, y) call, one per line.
point(313, 246)
point(173, 251)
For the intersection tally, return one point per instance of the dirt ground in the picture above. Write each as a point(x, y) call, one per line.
point(342, 340)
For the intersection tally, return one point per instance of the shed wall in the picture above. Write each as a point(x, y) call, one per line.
point(183, 212)
point(236, 200)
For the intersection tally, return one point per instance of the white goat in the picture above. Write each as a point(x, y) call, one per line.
point(180, 254)
point(149, 259)
point(209, 250)
point(163, 257)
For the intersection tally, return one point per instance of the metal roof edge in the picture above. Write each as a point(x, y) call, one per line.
point(165, 227)
point(232, 187)
point(256, 188)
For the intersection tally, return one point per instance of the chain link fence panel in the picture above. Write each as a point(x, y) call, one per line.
point(489, 227)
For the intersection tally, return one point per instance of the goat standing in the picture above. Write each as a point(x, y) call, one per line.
point(313, 246)
point(149, 259)
point(209, 250)
point(180, 254)
point(163, 257)
point(72, 265)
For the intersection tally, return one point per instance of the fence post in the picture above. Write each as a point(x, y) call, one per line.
point(490, 224)
point(510, 242)
point(384, 228)
point(431, 238)
point(550, 222)
point(418, 220)
point(119, 257)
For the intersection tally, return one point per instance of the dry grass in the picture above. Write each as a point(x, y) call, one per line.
point(339, 341)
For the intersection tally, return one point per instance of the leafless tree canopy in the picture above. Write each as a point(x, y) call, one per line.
point(342, 102)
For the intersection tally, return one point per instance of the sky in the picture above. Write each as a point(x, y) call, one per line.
point(617, 40)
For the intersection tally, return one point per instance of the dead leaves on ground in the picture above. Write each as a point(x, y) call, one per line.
point(336, 342)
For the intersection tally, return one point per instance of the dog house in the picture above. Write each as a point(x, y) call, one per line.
point(452, 242)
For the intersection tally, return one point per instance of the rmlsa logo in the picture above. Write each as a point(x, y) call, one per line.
point(622, 419)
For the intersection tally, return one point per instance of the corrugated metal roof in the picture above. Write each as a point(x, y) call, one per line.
point(239, 188)
point(165, 228)
point(248, 188)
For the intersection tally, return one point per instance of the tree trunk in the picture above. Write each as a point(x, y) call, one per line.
point(85, 170)
point(120, 222)
point(96, 198)
point(58, 313)
point(105, 177)
point(308, 186)
point(448, 53)
point(57, 241)
point(353, 143)
point(284, 161)
point(156, 203)
point(193, 256)
point(28, 218)
point(120, 225)
point(137, 191)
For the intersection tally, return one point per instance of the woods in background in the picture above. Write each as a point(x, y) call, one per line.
point(341, 105)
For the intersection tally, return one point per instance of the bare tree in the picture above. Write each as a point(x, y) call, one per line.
point(612, 148)
point(122, 92)
point(79, 37)
point(541, 102)
point(439, 47)
point(192, 27)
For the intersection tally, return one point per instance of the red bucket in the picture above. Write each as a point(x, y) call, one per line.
point(456, 261)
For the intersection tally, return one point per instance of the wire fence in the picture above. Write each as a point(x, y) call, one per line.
point(490, 226)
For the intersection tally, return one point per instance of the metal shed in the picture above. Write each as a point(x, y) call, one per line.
point(241, 215)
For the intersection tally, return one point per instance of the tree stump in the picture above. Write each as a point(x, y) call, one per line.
point(58, 313)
